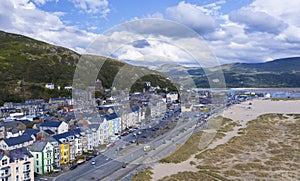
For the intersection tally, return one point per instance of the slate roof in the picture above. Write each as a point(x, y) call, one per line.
point(60, 99)
point(134, 109)
point(18, 140)
point(67, 134)
point(50, 139)
point(19, 154)
point(49, 132)
point(94, 126)
point(1, 155)
point(38, 146)
point(111, 116)
point(51, 124)
point(30, 132)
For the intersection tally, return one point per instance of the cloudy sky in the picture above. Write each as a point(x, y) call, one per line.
point(234, 31)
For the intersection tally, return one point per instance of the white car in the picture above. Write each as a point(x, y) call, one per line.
point(93, 162)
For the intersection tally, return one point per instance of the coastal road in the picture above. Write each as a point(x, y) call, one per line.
point(109, 164)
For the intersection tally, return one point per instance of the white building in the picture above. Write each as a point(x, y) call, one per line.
point(49, 86)
point(58, 127)
point(172, 96)
point(17, 142)
point(17, 165)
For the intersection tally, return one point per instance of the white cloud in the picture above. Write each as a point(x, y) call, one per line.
point(254, 34)
point(257, 21)
point(42, 2)
point(92, 6)
point(262, 31)
point(23, 17)
point(284, 9)
point(153, 48)
point(191, 16)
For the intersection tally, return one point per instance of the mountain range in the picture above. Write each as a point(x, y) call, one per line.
point(26, 65)
point(283, 72)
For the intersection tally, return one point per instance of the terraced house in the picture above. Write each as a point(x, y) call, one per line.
point(43, 153)
point(17, 165)
point(58, 127)
point(17, 142)
point(64, 149)
point(70, 145)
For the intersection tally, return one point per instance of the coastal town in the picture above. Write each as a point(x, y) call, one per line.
point(40, 137)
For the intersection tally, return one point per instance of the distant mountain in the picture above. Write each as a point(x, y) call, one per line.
point(26, 65)
point(277, 73)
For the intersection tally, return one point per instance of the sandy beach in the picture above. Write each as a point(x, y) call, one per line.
point(241, 113)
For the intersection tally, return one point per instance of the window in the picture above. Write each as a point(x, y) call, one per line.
point(48, 155)
point(37, 170)
point(26, 176)
point(4, 161)
point(37, 156)
point(17, 178)
point(37, 162)
point(26, 167)
point(17, 169)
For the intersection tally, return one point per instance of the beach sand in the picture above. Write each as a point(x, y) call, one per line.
point(242, 113)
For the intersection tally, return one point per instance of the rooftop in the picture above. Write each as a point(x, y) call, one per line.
point(51, 124)
point(19, 154)
point(18, 140)
point(38, 146)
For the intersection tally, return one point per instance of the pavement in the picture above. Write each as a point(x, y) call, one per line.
point(109, 163)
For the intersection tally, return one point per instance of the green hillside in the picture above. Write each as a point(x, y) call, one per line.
point(277, 73)
point(26, 65)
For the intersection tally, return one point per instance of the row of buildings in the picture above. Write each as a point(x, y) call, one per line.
point(52, 143)
point(37, 137)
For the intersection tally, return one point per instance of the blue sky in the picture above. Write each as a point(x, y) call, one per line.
point(100, 18)
point(234, 31)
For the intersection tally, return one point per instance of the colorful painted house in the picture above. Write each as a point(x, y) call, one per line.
point(64, 149)
point(43, 153)
point(114, 123)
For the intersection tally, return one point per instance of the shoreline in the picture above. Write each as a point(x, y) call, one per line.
point(239, 113)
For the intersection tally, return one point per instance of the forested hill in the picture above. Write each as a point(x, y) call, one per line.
point(26, 65)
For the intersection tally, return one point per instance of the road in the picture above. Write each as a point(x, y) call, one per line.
point(109, 164)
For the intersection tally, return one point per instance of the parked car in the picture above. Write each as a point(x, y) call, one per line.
point(89, 158)
point(93, 162)
point(73, 167)
point(95, 154)
point(124, 165)
point(80, 161)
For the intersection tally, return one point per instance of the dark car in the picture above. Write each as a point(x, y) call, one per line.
point(95, 154)
point(89, 158)
point(124, 165)
point(130, 131)
point(73, 167)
